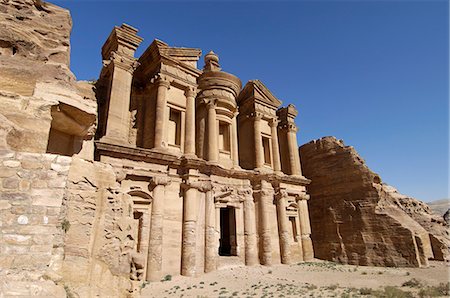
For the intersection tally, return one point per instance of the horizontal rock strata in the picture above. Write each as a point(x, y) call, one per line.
point(356, 219)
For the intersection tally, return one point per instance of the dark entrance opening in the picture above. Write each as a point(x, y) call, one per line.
point(227, 232)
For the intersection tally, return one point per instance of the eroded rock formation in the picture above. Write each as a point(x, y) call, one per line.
point(41, 104)
point(65, 227)
point(357, 219)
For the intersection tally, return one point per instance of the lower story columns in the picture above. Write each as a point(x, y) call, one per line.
point(190, 218)
point(251, 244)
point(283, 227)
point(265, 200)
point(154, 259)
point(210, 231)
point(305, 227)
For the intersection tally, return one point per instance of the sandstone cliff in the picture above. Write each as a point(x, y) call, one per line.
point(65, 227)
point(39, 96)
point(357, 219)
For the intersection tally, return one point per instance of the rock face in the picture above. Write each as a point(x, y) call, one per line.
point(65, 227)
point(357, 219)
point(39, 96)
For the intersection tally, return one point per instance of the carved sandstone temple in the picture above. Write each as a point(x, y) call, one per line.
point(213, 168)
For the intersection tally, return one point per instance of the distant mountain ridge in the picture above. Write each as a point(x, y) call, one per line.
point(439, 207)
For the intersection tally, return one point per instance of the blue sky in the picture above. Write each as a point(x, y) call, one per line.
point(373, 73)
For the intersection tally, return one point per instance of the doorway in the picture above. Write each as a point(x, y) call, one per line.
point(227, 232)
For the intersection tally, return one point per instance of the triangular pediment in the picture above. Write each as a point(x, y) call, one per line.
point(255, 90)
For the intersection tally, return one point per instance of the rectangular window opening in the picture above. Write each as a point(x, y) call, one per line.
point(294, 227)
point(224, 136)
point(266, 147)
point(174, 129)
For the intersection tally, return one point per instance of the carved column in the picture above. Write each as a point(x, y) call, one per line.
point(234, 136)
point(251, 244)
point(259, 151)
point(283, 227)
point(305, 227)
point(190, 217)
point(154, 260)
point(210, 230)
point(213, 150)
point(265, 200)
point(189, 140)
point(161, 111)
point(275, 147)
point(294, 158)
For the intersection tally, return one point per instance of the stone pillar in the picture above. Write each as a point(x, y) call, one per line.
point(154, 260)
point(265, 200)
point(213, 150)
point(190, 218)
point(275, 147)
point(118, 55)
point(283, 227)
point(161, 111)
point(251, 244)
point(259, 151)
point(234, 139)
point(308, 252)
point(189, 140)
point(294, 159)
point(211, 252)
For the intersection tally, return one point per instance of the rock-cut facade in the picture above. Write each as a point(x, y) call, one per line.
point(212, 167)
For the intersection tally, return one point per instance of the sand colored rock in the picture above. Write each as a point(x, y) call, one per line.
point(41, 103)
point(357, 219)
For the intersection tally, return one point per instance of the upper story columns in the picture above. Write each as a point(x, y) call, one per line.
point(289, 135)
point(118, 67)
point(259, 150)
point(189, 143)
point(216, 114)
point(275, 145)
point(163, 85)
point(213, 151)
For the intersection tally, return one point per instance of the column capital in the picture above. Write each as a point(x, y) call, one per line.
point(161, 80)
point(246, 192)
point(155, 181)
point(281, 194)
point(290, 126)
point(126, 63)
point(211, 104)
point(190, 91)
point(202, 186)
point(273, 122)
point(256, 116)
point(302, 196)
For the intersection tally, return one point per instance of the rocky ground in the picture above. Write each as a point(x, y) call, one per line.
point(318, 279)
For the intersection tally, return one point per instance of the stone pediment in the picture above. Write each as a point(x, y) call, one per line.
point(257, 92)
point(159, 51)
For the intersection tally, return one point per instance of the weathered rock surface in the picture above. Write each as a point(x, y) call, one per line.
point(38, 93)
point(357, 219)
point(100, 239)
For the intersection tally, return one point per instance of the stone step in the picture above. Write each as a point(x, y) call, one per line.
point(230, 262)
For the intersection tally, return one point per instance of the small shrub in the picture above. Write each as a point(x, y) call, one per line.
point(65, 225)
point(435, 291)
point(364, 273)
point(412, 283)
point(332, 287)
point(366, 291)
point(270, 272)
point(168, 277)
